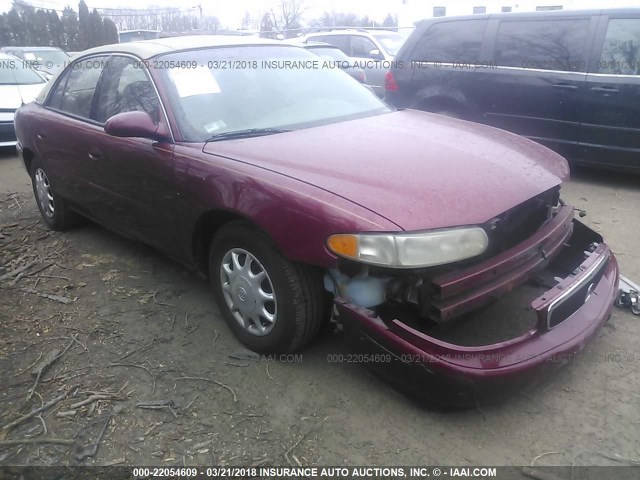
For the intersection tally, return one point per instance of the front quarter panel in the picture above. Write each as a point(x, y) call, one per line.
point(25, 124)
point(297, 216)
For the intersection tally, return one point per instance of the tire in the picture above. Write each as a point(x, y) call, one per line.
point(297, 309)
point(53, 208)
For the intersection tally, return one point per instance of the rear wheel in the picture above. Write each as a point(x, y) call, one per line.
point(54, 209)
point(271, 304)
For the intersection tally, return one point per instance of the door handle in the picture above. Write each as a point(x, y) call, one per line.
point(95, 155)
point(41, 135)
point(605, 90)
point(565, 86)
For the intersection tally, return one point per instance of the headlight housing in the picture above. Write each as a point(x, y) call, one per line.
point(411, 250)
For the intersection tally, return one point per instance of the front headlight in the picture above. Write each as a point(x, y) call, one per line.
point(411, 250)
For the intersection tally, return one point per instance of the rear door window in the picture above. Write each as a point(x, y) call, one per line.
point(74, 91)
point(543, 44)
point(621, 49)
point(451, 42)
point(340, 41)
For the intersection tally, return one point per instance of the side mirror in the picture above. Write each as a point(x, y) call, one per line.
point(377, 54)
point(136, 124)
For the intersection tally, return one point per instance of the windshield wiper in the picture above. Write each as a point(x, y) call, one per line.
point(248, 133)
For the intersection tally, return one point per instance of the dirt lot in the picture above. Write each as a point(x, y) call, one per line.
point(141, 329)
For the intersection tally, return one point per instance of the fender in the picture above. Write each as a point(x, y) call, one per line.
point(296, 216)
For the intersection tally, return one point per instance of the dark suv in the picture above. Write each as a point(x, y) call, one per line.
point(567, 79)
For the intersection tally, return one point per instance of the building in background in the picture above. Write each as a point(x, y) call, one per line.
point(411, 11)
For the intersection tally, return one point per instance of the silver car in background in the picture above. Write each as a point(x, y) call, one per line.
point(372, 50)
point(19, 84)
point(46, 60)
point(336, 56)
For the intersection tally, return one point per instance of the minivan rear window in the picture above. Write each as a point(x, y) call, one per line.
point(451, 42)
point(340, 41)
point(543, 44)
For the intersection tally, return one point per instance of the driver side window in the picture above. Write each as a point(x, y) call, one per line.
point(126, 87)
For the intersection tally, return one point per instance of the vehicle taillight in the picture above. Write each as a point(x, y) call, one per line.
point(390, 84)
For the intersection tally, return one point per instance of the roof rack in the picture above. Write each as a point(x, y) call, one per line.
point(351, 29)
point(375, 29)
point(335, 29)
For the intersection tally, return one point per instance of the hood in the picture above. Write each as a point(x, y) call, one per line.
point(12, 96)
point(416, 169)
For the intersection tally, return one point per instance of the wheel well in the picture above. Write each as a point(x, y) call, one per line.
point(206, 227)
point(28, 157)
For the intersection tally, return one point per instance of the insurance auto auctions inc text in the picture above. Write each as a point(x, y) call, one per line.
point(377, 472)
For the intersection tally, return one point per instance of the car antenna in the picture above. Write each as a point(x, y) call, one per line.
point(15, 79)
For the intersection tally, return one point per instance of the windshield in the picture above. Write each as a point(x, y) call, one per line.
point(405, 33)
point(14, 72)
point(330, 53)
point(255, 87)
point(51, 59)
point(391, 42)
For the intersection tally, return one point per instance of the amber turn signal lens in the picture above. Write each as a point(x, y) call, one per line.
point(345, 245)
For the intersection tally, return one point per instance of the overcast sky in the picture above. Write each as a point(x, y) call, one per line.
point(230, 12)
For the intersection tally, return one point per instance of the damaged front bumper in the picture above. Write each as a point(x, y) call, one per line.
point(567, 316)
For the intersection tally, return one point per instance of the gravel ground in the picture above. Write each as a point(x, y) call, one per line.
point(150, 372)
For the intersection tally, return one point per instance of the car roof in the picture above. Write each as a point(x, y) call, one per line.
point(342, 31)
point(536, 14)
point(150, 48)
point(383, 31)
point(318, 45)
point(139, 30)
point(352, 31)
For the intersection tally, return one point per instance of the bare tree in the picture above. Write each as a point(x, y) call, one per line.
point(287, 16)
point(246, 21)
point(347, 19)
point(170, 19)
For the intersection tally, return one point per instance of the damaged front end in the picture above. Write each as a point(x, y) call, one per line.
point(459, 332)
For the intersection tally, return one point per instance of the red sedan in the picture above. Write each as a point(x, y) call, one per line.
point(292, 186)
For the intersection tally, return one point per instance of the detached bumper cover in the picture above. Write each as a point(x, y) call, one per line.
point(458, 293)
point(569, 315)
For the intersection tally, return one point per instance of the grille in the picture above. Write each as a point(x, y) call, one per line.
point(519, 223)
point(7, 132)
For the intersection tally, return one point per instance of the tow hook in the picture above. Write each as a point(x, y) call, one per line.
point(628, 295)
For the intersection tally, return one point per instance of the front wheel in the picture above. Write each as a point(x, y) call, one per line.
point(271, 304)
